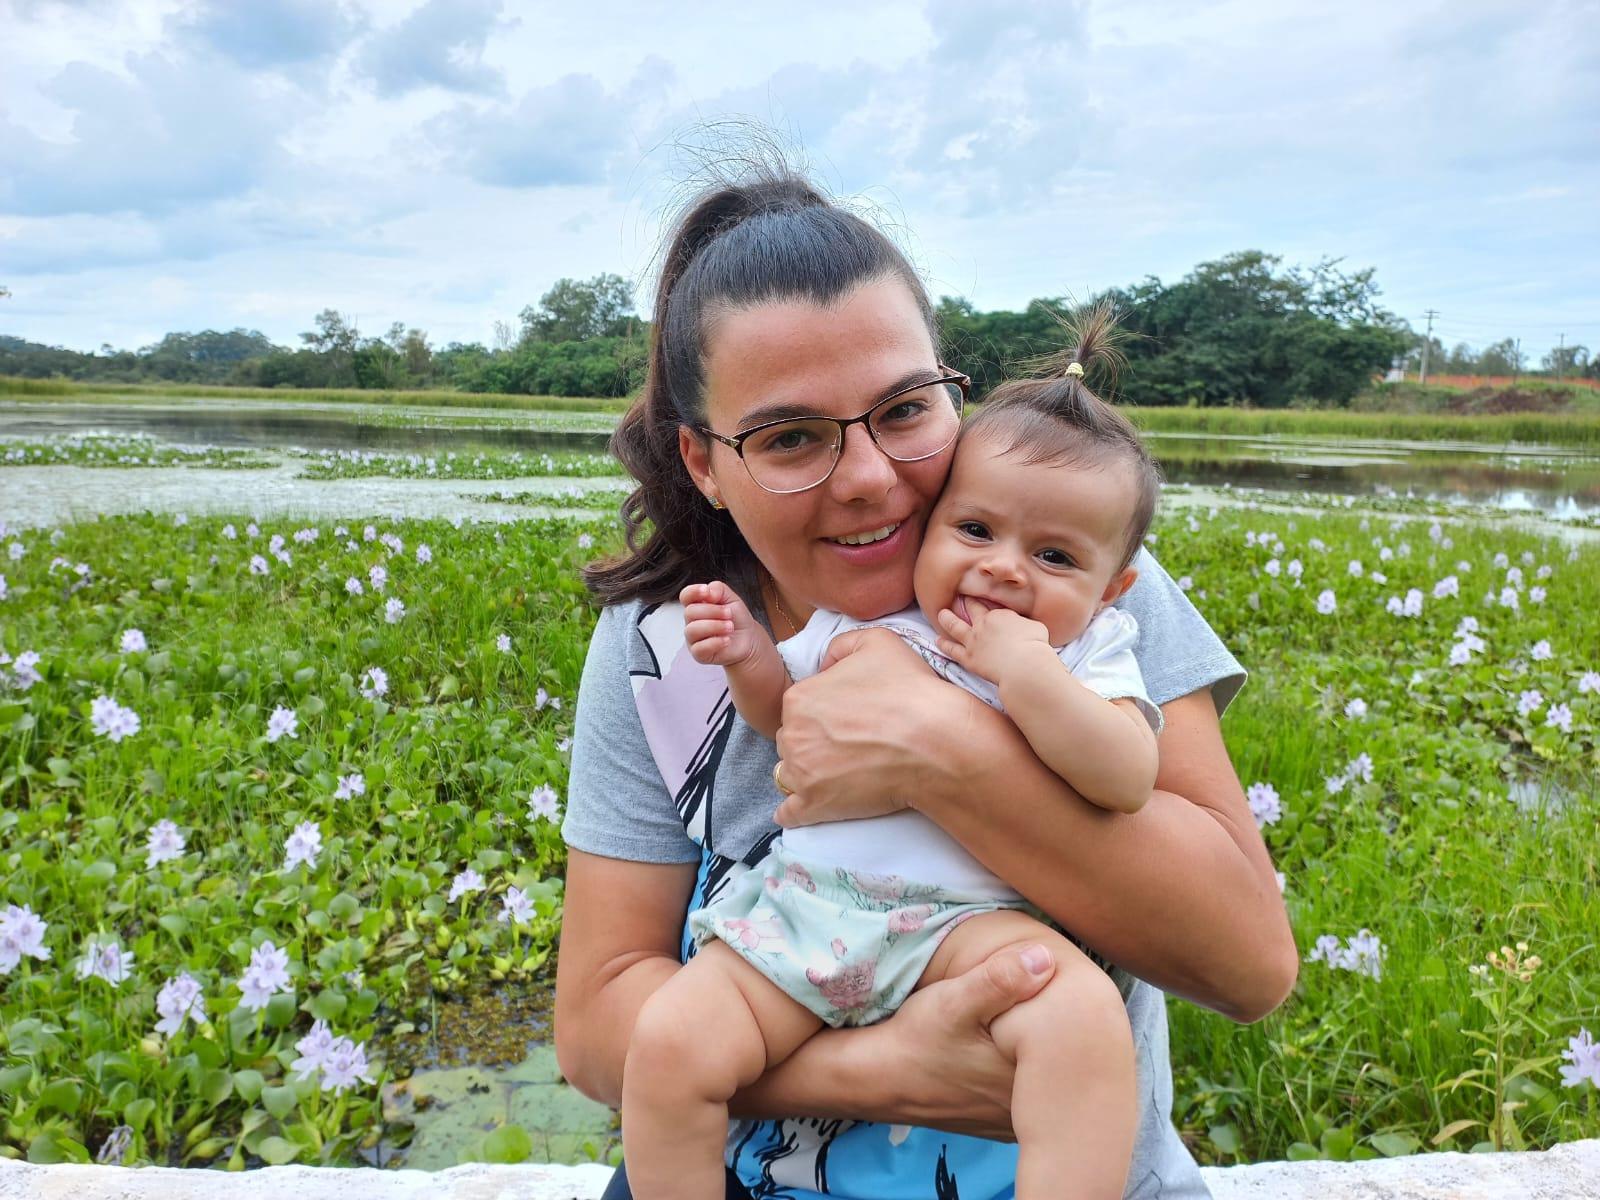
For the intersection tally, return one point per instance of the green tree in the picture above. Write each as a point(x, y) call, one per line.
point(1566, 360)
point(335, 340)
point(575, 310)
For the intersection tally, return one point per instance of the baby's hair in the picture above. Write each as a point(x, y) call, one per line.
point(1054, 417)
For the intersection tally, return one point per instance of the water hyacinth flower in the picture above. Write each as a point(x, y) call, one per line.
point(424, 553)
point(229, 532)
point(1364, 953)
point(585, 541)
point(1355, 567)
point(369, 534)
point(393, 610)
point(1265, 806)
point(1185, 583)
point(24, 673)
point(543, 803)
point(1583, 1061)
point(1273, 567)
point(113, 1151)
point(21, 936)
point(379, 577)
point(1446, 587)
point(3, 589)
point(1540, 651)
point(282, 723)
point(258, 565)
point(1360, 768)
point(109, 719)
point(1509, 597)
point(374, 682)
point(1514, 576)
point(344, 1065)
point(1378, 577)
point(467, 881)
point(1460, 654)
point(1356, 709)
point(1529, 701)
point(503, 643)
point(1590, 682)
point(351, 785)
point(1502, 560)
point(313, 1049)
point(179, 1000)
point(1560, 717)
point(303, 846)
point(164, 844)
point(515, 907)
point(1536, 594)
point(267, 975)
point(105, 959)
point(133, 641)
point(352, 586)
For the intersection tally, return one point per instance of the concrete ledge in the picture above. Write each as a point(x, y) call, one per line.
point(1568, 1172)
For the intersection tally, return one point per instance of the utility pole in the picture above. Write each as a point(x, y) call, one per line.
point(1426, 343)
point(1516, 363)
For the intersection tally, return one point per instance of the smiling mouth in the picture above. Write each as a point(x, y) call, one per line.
point(866, 539)
point(961, 610)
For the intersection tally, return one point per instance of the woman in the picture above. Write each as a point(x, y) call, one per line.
point(773, 303)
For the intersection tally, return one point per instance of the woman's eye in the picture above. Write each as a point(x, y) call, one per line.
point(784, 441)
point(974, 529)
point(904, 410)
point(1056, 558)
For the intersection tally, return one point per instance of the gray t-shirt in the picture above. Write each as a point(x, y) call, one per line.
point(619, 806)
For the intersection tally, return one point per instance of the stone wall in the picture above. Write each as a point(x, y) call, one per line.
point(1569, 1172)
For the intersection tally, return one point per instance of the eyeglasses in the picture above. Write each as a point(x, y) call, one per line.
point(799, 453)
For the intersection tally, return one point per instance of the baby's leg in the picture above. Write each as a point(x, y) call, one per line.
point(711, 1029)
point(1073, 1101)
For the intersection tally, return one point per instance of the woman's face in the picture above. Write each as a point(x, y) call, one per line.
point(836, 361)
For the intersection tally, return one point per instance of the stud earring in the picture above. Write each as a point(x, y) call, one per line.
point(716, 503)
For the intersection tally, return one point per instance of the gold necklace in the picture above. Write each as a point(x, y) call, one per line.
point(772, 583)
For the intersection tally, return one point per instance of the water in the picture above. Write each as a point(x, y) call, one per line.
point(1549, 482)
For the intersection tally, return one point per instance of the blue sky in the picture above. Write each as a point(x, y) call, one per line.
point(174, 165)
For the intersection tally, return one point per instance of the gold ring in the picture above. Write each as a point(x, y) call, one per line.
point(777, 779)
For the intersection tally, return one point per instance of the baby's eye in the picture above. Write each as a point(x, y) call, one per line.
point(974, 529)
point(1056, 558)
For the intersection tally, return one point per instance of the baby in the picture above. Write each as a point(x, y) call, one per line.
point(1033, 539)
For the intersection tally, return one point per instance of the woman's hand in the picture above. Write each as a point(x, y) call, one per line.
point(947, 1073)
point(852, 745)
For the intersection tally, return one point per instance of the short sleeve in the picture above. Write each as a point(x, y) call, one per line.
point(618, 805)
point(803, 652)
point(1177, 652)
point(1102, 659)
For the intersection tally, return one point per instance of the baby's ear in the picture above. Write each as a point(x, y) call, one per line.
point(1119, 585)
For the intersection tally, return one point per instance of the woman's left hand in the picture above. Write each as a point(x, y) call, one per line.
point(863, 735)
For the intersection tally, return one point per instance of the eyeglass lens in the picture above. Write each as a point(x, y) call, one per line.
point(794, 455)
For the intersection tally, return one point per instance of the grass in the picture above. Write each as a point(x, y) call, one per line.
point(101, 393)
point(1429, 854)
point(1532, 429)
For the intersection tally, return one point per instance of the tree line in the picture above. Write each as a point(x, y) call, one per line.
point(1243, 329)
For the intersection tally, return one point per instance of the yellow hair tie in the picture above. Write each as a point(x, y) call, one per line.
point(1075, 368)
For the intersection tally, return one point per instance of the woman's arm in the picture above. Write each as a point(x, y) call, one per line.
point(619, 942)
point(1181, 893)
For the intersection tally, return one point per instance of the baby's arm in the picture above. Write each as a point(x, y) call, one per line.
point(1105, 749)
point(722, 632)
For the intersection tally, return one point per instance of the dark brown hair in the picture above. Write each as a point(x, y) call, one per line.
point(768, 235)
point(1055, 417)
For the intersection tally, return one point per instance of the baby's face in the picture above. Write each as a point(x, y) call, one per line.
point(1045, 541)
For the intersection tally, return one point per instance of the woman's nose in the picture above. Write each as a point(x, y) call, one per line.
point(863, 471)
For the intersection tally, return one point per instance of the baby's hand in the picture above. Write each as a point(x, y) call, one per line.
point(718, 625)
point(997, 642)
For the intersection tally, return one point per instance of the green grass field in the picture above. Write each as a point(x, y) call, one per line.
point(343, 833)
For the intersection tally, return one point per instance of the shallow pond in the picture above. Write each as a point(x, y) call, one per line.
point(1552, 482)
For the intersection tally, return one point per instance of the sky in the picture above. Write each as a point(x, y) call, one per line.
point(189, 164)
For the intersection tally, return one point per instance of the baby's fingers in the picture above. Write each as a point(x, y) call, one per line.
point(954, 626)
point(707, 627)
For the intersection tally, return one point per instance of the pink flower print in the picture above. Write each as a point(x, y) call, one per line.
point(881, 887)
point(770, 884)
point(910, 919)
point(751, 934)
point(839, 948)
point(796, 874)
point(850, 986)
